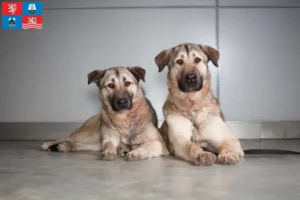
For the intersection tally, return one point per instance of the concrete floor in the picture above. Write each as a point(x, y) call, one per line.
point(27, 173)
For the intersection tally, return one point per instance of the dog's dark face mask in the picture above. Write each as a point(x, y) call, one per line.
point(190, 82)
point(121, 100)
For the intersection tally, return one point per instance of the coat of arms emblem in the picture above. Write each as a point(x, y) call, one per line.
point(31, 8)
point(12, 21)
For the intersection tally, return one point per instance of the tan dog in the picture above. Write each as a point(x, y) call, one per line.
point(127, 121)
point(192, 114)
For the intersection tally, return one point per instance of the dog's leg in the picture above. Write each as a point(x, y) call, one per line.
point(66, 146)
point(220, 136)
point(147, 144)
point(109, 149)
point(180, 132)
point(230, 152)
point(147, 150)
point(189, 151)
point(52, 145)
point(72, 143)
point(87, 137)
point(110, 143)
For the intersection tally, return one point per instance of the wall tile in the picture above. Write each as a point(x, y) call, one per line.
point(259, 3)
point(259, 63)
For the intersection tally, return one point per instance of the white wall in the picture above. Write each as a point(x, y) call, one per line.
point(43, 73)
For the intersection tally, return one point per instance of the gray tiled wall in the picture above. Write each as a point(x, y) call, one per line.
point(43, 73)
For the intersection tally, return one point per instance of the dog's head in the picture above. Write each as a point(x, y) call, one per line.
point(187, 65)
point(118, 86)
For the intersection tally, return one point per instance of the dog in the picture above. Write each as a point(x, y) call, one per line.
point(127, 123)
point(192, 114)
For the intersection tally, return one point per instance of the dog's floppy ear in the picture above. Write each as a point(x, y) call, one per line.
point(163, 58)
point(211, 53)
point(138, 73)
point(96, 76)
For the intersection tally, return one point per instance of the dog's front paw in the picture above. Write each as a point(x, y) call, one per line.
point(228, 158)
point(109, 155)
point(45, 146)
point(202, 158)
point(137, 154)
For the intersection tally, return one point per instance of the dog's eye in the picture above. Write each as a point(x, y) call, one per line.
point(197, 60)
point(179, 62)
point(112, 86)
point(127, 83)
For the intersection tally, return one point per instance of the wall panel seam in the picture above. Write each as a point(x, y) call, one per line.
point(217, 46)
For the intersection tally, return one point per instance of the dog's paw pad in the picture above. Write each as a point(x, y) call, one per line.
point(137, 154)
point(228, 158)
point(109, 155)
point(206, 158)
point(64, 146)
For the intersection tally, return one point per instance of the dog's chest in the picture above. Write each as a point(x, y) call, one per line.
point(128, 131)
point(200, 119)
point(125, 140)
point(125, 134)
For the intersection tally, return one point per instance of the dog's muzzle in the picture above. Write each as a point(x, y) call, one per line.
point(121, 102)
point(190, 82)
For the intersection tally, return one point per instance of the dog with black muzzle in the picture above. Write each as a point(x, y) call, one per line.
point(127, 121)
point(192, 114)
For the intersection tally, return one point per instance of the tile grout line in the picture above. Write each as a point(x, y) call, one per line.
point(217, 46)
point(251, 7)
point(260, 131)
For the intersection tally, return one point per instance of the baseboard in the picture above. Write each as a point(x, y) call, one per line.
point(55, 130)
point(37, 130)
point(266, 130)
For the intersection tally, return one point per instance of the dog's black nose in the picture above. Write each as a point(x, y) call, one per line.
point(190, 78)
point(122, 102)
